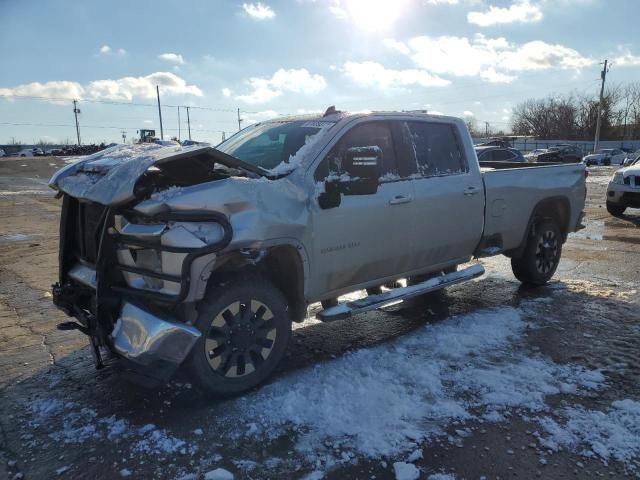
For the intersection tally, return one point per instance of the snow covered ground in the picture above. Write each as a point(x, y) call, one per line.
point(438, 384)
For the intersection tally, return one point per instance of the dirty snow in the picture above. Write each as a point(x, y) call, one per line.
point(80, 424)
point(611, 434)
point(405, 471)
point(372, 403)
point(218, 474)
point(593, 231)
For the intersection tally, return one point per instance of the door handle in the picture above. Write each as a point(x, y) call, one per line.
point(400, 199)
point(471, 191)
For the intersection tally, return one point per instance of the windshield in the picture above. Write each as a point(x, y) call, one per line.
point(605, 151)
point(267, 145)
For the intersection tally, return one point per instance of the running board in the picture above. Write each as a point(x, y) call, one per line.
point(371, 302)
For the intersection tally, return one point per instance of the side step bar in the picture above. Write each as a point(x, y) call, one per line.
point(371, 302)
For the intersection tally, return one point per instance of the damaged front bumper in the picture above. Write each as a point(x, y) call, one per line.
point(147, 339)
point(132, 292)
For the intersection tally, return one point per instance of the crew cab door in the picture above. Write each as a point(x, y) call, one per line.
point(367, 236)
point(448, 195)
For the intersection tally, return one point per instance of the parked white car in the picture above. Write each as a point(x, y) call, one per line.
point(624, 189)
point(2, 153)
point(29, 152)
point(605, 156)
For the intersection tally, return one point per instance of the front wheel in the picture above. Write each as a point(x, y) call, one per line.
point(615, 210)
point(541, 255)
point(245, 328)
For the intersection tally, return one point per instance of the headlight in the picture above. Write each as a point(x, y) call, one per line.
point(618, 178)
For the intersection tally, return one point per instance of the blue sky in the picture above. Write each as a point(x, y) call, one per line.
point(461, 57)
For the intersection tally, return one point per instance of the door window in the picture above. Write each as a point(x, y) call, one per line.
point(363, 135)
point(437, 149)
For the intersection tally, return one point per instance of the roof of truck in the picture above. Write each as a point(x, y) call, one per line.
point(340, 115)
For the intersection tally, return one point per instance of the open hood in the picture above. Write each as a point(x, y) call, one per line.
point(109, 177)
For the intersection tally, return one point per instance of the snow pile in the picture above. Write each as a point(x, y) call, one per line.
point(613, 434)
point(405, 471)
point(385, 400)
point(80, 424)
point(593, 230)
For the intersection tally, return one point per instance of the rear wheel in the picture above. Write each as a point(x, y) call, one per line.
point(541, 255)
point(615, 210)
point(245, 328)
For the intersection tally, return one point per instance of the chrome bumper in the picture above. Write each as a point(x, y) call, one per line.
point(143, 338)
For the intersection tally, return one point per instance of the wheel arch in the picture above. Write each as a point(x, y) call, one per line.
point(282, 264)
point(557, 208)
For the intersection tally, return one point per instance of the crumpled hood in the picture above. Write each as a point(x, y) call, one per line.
point(109, 176)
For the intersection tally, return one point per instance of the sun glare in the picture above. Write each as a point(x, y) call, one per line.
point(375, 15)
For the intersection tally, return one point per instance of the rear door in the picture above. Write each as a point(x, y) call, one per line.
point(367, 236)
point(449, 195)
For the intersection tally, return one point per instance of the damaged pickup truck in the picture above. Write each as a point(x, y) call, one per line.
point(201, 258)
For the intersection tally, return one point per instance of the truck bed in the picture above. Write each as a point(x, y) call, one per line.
point(513, 190)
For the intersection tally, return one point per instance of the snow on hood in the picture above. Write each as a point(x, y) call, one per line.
point(109, 176)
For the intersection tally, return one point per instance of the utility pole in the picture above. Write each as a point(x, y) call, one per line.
point(486, 129)
point(239, 121)
point(76, 111)
point(188, 123)
point(178, 122)
point(159, 112)
point(224, 137)
point(124, 136)
point(603, 76)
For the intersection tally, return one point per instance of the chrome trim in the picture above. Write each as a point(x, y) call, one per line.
point(144, 338)
point(83, 274)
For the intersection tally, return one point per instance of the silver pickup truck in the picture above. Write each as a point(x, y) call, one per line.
point(202, 257)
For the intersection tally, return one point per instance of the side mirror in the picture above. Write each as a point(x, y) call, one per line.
point(363, 162)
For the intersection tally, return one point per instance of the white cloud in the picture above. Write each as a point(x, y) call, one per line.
point(400, 47)
point(147, 121)
point(126, 88)
point(107, 50)
point(626, 59)
point(468, 113)
point(490, 75)
point(226, 92)
point(259, 11)
point(444, 2)
point(55, 89)
point(521, 12)
point(373, 74)
point(292, 80)
point(256, 117)
point(492, 59)
point(172, 58)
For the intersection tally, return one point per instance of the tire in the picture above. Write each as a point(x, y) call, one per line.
point(246, 328)
point(329, 302)
point(606, 162)
point(541, 255)
point(615, 210)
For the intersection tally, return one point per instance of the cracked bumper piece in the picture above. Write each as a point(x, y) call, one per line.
point(145, 339)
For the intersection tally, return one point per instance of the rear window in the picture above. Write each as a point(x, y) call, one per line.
point(437, 149)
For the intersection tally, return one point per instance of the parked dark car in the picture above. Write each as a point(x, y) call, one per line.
point(561, 154)
point(498, 154)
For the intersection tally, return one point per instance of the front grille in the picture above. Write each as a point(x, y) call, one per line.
point(89, 219)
